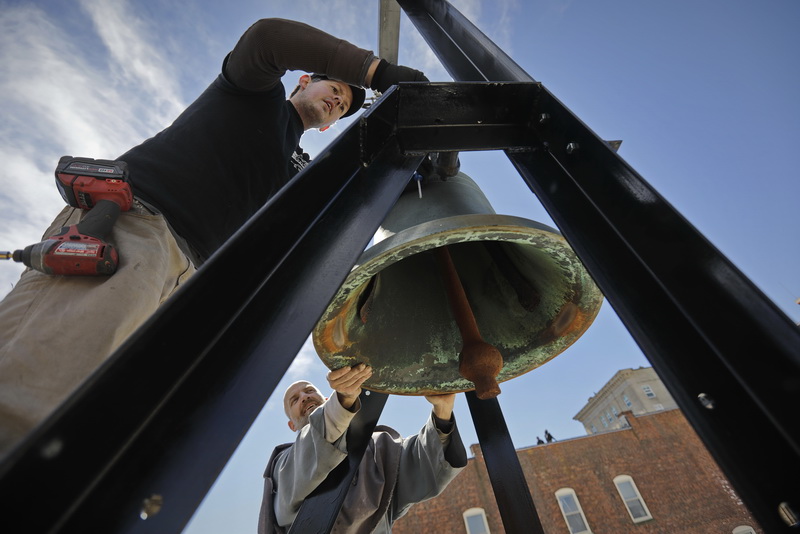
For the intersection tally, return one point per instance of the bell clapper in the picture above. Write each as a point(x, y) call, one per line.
point(479, 362)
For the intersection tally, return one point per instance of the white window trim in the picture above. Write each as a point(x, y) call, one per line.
point(626, 478)
point(570, 491)
point(475, 512)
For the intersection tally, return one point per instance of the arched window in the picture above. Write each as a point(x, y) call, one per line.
point(572, 511)
point(632, 498)
point(744, 529)
point(475, 521)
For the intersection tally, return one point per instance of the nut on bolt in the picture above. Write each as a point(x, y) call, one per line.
point(51, 449)
point(572, 147)
point(706, 401)
point(788, 514)
point(151, 506)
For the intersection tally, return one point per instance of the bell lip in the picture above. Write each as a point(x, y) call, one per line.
point(452, 229)
point(439, 226)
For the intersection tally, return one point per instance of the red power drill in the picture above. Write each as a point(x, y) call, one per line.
point(100, 186)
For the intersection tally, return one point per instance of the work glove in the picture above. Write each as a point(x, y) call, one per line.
point(387, 75)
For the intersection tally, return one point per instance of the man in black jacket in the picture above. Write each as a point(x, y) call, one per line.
point(195, 183)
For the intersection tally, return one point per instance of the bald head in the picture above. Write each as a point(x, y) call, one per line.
point(301, 398)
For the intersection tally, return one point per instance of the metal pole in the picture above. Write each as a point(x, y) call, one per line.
point(505, 473)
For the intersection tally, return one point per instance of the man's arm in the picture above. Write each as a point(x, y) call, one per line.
point(431, 459)
point(270, 47)
point(304, 465)
point(347, 382)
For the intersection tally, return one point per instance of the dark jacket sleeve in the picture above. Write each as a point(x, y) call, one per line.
point(270, 47)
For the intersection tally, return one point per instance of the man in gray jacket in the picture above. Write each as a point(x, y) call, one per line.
point(394, 473)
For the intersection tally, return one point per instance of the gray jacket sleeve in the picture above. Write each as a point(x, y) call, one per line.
point(426, 467)
point(304, 465)
point(270, 47)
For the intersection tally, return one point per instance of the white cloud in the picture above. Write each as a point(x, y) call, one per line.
point(59, 99)
point(135, 56)
point(305, 363)
point(306, 366)
point(419, 54)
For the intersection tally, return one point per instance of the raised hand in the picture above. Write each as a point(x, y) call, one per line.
point(442, 405)
point(387, 74)
point(347, 381)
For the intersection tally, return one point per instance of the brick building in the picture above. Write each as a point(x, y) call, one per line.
point(654, 476)
point(639, 391)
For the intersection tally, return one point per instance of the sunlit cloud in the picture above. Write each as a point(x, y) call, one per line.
point(306, 363)
point(135, 57)
point(57, 101)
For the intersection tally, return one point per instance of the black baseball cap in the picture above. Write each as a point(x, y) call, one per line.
point(359, 95)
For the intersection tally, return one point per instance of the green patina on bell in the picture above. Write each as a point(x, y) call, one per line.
point(530, 295)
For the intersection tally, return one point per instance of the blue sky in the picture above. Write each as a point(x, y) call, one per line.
point(703, 95)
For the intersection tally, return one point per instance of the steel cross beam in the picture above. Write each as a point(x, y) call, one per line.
point(722, 348)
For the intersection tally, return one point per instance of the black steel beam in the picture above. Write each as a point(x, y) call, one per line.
point(160, 419)
point(725, 351)
point(441, 117)
point(502, 463)
point(466, 53)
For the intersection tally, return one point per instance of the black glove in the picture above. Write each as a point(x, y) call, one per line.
point(387, 75)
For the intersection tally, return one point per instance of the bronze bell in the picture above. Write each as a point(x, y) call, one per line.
point(530, 295)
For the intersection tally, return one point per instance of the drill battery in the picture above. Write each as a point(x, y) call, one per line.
point(83, 182)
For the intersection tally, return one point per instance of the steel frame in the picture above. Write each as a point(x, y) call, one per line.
point(160, 419)
point(724, 350)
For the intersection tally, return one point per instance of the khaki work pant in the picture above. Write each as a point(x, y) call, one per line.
point(56, 330)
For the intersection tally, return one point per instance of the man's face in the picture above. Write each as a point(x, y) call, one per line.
point(321, 103)
point(300, 400)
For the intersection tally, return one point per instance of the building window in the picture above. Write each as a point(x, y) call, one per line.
point(648, 391)
point(594, 429)
point(603, 420)
point(616, 412)
point(627, 401)
point(632, 498)
point(572, 511)
point(475, 521)
point(744, 529)
point(658, 406)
